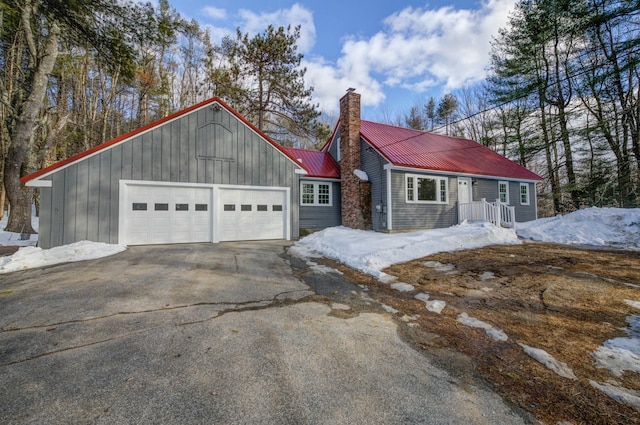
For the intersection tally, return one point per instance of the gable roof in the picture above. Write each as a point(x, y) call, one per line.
point(317, 163)
point(410, 148)
point(125, 137)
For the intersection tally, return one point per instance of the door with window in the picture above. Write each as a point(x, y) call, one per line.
point(464, 190)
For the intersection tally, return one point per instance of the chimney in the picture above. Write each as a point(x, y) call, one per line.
point(355, 193)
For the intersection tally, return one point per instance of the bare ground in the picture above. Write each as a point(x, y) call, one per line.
point(564, 300)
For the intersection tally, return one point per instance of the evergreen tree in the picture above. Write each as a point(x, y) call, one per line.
point(265, 82)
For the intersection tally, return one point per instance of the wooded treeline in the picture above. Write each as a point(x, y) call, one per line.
point(75, 73)
point(562, 99)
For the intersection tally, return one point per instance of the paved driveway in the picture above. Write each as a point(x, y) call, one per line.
point(212, 334)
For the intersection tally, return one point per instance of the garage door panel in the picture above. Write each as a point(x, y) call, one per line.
point(170, 215)
point(258, 220)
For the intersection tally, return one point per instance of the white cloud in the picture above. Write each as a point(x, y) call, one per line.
point(214, 12)
point(255, 23)
point(418, 48)
point(330, 83)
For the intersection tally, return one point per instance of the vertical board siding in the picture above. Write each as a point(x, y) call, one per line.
point(44, 234)
point(410, 216)
point(83, 202)
point(320, 217)
point(372, 163)
point(488, 189)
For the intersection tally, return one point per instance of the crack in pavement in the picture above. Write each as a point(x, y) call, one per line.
point(275, 301)
point(62, 350)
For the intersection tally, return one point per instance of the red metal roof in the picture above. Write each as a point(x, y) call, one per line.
point(317, 163)
point(150, 126)
point(418, 149)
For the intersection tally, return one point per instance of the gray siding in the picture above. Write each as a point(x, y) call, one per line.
point(320, 217)
point(335, 144)
point(488, 189)
point(413, 216)
point(203, 146)
point(373, 163)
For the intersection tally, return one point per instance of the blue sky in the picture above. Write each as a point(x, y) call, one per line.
point(393, 53)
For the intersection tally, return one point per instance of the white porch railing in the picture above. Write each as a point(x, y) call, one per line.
point(498, 213)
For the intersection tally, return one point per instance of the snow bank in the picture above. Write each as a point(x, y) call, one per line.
point(30, 257)
point(611, 227)
point(371, 252)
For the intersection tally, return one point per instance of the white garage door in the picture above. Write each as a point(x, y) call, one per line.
point(252, 214)
point(166, 214)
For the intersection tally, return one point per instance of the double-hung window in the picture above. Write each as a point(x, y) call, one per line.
point(315, 194)
point(524, 193)
point(426, 189)
point(503, 192)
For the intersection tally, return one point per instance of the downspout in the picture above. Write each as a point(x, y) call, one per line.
point(389, 208)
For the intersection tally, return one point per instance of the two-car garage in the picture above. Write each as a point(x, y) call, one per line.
point(163, 213)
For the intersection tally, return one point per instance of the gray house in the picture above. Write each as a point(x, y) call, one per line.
point(205, 174)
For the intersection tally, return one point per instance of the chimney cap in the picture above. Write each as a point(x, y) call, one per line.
point(351, 89)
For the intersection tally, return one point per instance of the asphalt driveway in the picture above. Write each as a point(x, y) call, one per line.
point(214, 333)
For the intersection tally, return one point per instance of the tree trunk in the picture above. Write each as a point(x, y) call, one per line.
point(15, 164)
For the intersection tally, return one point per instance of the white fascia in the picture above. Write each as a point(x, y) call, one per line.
point(453, 173)
point(38, 183)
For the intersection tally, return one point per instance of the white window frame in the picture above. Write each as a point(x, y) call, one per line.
point(414, 179)
point(316, 194)
point(506, 195)
point(528, 199)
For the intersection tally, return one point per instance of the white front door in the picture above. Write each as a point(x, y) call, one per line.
point(464, 190)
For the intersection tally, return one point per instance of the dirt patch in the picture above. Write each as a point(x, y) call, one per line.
point(566, 301)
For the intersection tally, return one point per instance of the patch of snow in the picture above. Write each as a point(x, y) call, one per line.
point(406, 318)
point(612, 227)
point(371, 252)
point(439, 267)
point(619, 394)
point(487, 276)
point(14, 239)
point(436, 306)
point(362, 175)
point(620, 354)
point(386, 278)
point(389, 309)
point(30, 256)
point(541, 356)
point(321, 269)
point(495, 334)
point(634, 304)
point(422, 297)
point(402, 287)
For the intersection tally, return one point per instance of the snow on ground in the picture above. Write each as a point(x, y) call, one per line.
point(371, 252)
point(606, 227)
point(549, 361)
point(495, 334)
point(31, 256)
point(14, 239)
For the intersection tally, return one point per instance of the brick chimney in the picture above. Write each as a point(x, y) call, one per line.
point(355, 193)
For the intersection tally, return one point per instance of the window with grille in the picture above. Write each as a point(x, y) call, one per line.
point(524, 193)
point(426, 189)
point(316, 194)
